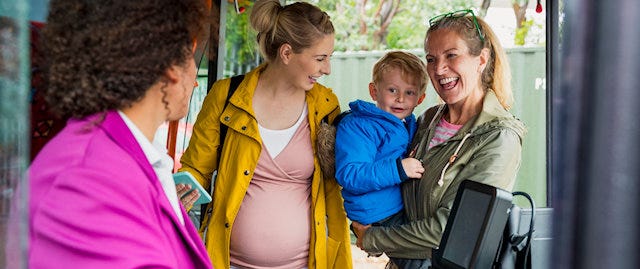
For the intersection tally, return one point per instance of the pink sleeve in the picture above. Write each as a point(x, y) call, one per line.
point(92, 219)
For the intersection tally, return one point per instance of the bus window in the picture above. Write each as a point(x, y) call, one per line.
point(359, 44)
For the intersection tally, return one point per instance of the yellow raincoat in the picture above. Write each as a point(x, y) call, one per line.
point(330, 241)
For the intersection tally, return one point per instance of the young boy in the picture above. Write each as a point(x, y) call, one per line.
point(372, 141)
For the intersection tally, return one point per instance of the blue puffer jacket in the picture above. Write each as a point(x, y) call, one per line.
point(369, 144)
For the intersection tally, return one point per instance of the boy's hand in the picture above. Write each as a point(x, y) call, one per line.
point(412, 167)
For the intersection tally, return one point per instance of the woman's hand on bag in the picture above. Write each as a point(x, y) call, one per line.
point(187, 200)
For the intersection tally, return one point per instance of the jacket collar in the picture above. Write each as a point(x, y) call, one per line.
point(492, 113)
point(491, 109)
point(369, 109)
point(115, 127)
point(320, 101)
point(243, 96)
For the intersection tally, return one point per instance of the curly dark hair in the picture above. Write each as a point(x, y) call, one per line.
point(106, 54)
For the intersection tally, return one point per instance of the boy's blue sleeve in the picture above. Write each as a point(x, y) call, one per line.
point(357, 169)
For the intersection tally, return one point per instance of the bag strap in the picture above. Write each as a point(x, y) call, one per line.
point(233, 86)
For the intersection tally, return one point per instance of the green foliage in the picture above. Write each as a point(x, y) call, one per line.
point(345, 21)
point(405, 32)
point(522, 32)
point(529, 33)
point(240, 39)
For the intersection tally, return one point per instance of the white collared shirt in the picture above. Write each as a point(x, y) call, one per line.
point(160, 161)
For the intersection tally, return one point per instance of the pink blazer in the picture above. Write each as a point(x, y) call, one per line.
point(95, 202)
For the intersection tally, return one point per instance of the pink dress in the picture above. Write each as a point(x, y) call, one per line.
point(272, 228)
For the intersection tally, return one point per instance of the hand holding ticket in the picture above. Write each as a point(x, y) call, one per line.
point(188, 179)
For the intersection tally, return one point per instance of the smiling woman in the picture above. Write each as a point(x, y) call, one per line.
point(471, 136)
point(269, 186)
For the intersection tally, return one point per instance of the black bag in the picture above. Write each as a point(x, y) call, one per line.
point(515, 249)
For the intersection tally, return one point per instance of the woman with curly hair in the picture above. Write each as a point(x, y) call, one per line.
point(101, 193)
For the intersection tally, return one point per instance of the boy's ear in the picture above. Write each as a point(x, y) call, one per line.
point(372, 91)
point(421, 98)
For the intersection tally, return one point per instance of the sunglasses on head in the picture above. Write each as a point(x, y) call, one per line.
point(457, 14)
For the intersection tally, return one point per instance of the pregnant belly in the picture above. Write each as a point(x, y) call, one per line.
point(272, 229)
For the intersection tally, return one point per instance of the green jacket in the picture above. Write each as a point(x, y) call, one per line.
point(490, 152)
point(330, 242)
